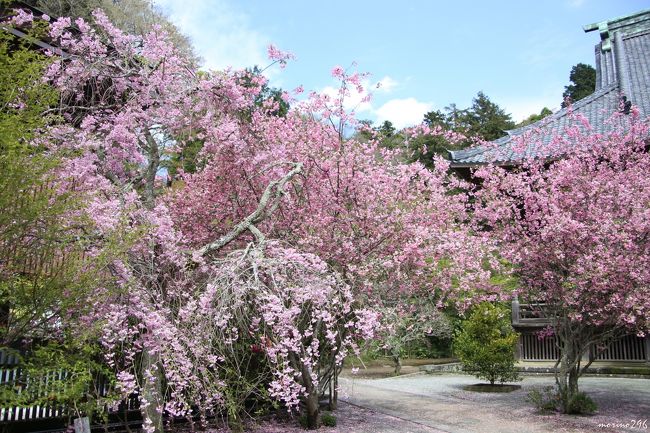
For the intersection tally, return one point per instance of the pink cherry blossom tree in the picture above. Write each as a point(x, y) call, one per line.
point(129, 105)
point(356, 224)
point(387, 227)
point(577, 229)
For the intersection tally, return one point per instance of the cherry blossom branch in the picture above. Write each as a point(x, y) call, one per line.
point(267, 205)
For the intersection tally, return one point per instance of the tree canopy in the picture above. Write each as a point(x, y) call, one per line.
point(577, 233)
point(454, 128)
point(583, 83)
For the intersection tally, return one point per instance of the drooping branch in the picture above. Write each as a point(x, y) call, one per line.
point(151, 170)
point(268, 203)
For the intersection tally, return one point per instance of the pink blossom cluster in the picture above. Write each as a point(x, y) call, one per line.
point(577, 228)
point(356, 223)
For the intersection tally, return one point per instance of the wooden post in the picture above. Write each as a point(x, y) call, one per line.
point(519, 348)
point(515, 311)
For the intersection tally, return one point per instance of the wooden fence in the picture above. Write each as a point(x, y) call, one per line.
point(11, 374)
point(630, 348)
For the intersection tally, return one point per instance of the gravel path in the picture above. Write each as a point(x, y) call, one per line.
point(439, 403)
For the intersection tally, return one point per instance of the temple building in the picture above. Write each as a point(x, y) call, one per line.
point(622, 80)
point(622, 59)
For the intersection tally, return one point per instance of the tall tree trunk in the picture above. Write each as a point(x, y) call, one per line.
point(150, 365)
point(311, 401)
point(334, 387)
point(151, 392)
point(568, 374)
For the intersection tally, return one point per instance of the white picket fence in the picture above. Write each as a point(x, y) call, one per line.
point(10, 374)
point(24, 413)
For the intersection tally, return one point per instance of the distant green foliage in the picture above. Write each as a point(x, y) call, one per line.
point(583, 79)
point(483, 120)
point(535, 117)
point(486, 342)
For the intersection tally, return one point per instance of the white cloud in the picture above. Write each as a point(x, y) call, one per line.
point(221, 35)
point(403, 112)
point(575, 3)
point(386, 84)
point(354, 101)
point(520, 109)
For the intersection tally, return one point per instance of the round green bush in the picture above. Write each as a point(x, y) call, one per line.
point(486, 344)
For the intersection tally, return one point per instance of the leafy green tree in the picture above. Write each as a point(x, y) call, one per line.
point(44, 270)
point(387, 129)
point(267, 93)
point(42, 265)
point(483, 120)
point(485, 344)
point(583, 83)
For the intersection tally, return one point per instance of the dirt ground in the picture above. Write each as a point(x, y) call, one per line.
point(375, 400)
point(439, 402)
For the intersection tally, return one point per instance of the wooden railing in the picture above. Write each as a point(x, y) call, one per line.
point(528, 315)
point(629, 348)
point(536, 349)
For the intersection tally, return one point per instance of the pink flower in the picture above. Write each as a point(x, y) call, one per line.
point(338, 72)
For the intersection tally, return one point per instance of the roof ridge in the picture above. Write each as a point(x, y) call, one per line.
point(564, 111)
point(533, 127)
point(595, 26)
point(636, 35)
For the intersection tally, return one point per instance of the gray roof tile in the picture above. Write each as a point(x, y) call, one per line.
point(535, 140)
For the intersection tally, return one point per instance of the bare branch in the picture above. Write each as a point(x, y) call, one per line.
point(268, 204)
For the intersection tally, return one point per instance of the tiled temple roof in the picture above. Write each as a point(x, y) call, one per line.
point(622, 68)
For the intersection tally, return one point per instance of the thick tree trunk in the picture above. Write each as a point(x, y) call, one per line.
point(312, 409)
point(398, 364)
point(151, 392)
point(568, 374)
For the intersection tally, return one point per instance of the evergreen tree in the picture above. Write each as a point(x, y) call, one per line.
point(583, 79)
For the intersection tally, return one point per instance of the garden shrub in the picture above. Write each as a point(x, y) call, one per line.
point(581, 404)
point(328, 419)
point(485, 344)
point(544, 399)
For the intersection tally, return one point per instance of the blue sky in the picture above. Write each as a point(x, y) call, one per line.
point(427, 54)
